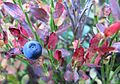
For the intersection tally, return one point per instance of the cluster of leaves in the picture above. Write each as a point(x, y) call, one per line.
point(75, 36)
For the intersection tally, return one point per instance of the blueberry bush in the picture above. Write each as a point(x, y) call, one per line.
point(59, 42)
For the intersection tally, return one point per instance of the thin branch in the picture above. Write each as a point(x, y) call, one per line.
point(70, 15)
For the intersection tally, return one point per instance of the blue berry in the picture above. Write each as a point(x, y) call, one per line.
point(32, 50)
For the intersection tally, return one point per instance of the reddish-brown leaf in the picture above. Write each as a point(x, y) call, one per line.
point(59, 8)
point(95, 40)
point(40, 14)
point(15, 43)
point(105, 49)
point(112, 29)
point(97, 60)
point(79, 55)
point(22, 40)
point(23, 31)
point(52, 41)
point(58, 55)
point(14, 31)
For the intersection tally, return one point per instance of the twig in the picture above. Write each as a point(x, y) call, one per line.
point(70, 15)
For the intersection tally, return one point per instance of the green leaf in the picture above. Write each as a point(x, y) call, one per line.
point(12, 79)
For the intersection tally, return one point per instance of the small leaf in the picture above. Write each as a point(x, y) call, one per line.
point(40, 14)
point(58, 55)
point(79, 54)
point(112, 29)
point(105, 49)
point(59, 8)
point(65, 52)
point(22, 40)
point(26, 28)
point(75, 44)
point(23, 31)
point(15, 43)
point(12, 79)
point(52, 41)
point(95, 40)
point(14, 31)
point(14, 11)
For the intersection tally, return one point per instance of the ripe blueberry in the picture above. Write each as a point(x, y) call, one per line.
point(32, 50)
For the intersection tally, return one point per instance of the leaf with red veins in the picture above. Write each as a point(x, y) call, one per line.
point(40, 14)
point(52, 41)
point(58, 55)
point(22, 30)
point(14, 11)
point(14, 31)
point(79, 55)
point(112, 29)
point(5, 37)
point(22, 40)
point(59, 8)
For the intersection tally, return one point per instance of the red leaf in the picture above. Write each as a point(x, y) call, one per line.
point(15, 43)
point(22, 40)
point(79, 55)
point(115, 9)
point(14, 31)
point(105, 49)
point(59, 8)
point(95, 40)
point(23, 31)
point(14, 11)
point(40, 14)
point(52, 41)
point(27, 28)
point(5, 37)
point(58, 55)
point(97, 60)
point(112, 29)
